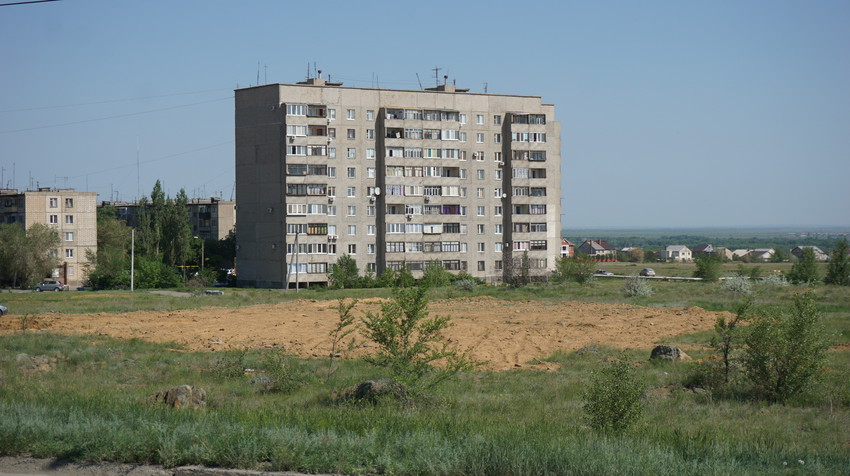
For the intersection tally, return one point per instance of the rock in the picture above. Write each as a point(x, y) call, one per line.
point(587, 350)
point(182, 396)
point(371, 390)
point(666, 352)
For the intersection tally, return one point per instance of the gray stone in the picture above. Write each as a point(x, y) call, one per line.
point(182, 396)
point(666, 352)
point(371, 391)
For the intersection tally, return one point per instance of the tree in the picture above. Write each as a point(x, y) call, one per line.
point(805, 270)
point(838, 271)
point(728, 336)
point(175, 233)
point(27, 256)
point(636, 255)
point(779, 256)
point(435, 275)
point(708, 267)
point(409, 342)
point(110, 266)
point(612, 400)
point(344, 273)
point(786, 349)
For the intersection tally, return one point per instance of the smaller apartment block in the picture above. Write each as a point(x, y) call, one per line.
point(72, 214)
point(211, 218)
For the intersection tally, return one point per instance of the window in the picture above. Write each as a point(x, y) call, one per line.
point(351, 192)
point(69, 236)
point(370, 172)
point(479, 137)
point(69, 252)
point(481, 211)
point(351, 134)
point(370, 229)
point(296, 109)
point(331, 152)
point(497, 120)
point(54, 203)
point(331, 171)
point(370, 115)
point(352, 249)
point(331, 210)
point(331, 114)
point(54, 219)
point(497, 211)
point(349, 114)
point(69, 203)
point(480, 174)
point(497, 247)
point(498, 265)
point(498, 229)
point(462, 119)
point(332, 132)
point(395, 247)
point(370, 134)
point(296, 150)
point(462, 136)
point(352, 230)
point(497, 138)
point(296, 130)
point(351, 210)
point(370, 154)
point(69, 219)
point(481, 247)
point(480, 228)
point(351, 172)
point(480, 266)
point(479, 192)
point(479, 119)
point(370, 248)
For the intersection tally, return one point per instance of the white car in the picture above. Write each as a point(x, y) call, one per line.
point(3, 310)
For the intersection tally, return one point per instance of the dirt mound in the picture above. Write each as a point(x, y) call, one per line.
point(506, 334)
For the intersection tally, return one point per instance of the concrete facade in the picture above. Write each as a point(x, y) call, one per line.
point(393, 177)
point(72, 214)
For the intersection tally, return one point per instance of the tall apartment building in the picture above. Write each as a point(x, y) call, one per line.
point(393, 177)
point(72, 214)
point(211, 218)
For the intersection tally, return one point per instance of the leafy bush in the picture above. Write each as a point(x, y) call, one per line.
point(151, 273)
point(727, 338)
point(774, 279)
point(737, 284)
point(281, 371)
point(409, 341)
point(637, 286)
point(839, 265)
point(579, 269)
point(435, 275)
point(805, 270)
point(786, 350)
point(466, 284)
point(708, 267)
point(612, 399)
point(344, 273)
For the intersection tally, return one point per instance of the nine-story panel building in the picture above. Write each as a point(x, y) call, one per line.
point(393, 178)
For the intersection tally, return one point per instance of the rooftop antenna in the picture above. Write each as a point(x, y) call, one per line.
point(258, 73)
point(485, 88)
point(266, 74)
point(308, 71)
point(420, 81)
point(436, 71)
point(445, 79)
point(314, 68)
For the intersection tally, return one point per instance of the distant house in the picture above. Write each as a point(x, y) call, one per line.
point(709, 249)
point(760, 254)
point(797, 251)
point(597, 248)
point(568, 249)
point(677, 253)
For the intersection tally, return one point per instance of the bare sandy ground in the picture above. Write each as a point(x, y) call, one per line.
point(505, 334)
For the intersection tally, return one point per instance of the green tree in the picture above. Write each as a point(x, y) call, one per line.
point(728, 336)
point(708, 267)
point(344, 273)
point(110, 266)
point(786, 349)
point(779, 256)
point(612, 400)
point(838, 271)
point(805, 270)
point(409, 342)
point(579, 269)
point(27, 256)
point(175, 232)
point(435, 275)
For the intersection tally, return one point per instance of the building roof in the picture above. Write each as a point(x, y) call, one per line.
point(677, 248)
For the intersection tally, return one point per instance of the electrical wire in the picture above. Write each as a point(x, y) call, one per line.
point(109, 101)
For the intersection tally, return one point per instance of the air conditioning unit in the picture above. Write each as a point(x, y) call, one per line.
point(409, 216)
point(332, 237)
point(427, 199)
point(291, 139)
point(371, 199)
point(500, 163)
point(330, 199)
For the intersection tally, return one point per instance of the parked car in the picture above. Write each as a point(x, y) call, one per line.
point(647, 272)
point(3, 310)
point(52, 285)
point(603, 272)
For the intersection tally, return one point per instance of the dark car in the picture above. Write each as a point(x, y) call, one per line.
point(603, 272)
point(647, 272)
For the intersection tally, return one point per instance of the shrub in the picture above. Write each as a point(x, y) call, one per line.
point(579, 269)
point(728, 336)
point(281, 371)
point(409, 341)
point(466, 284)
point(737, 284)
point(786, 350)
point(344, 273)
point(839, 265)
point(612, 399)
point(708, 267)
point(774, 279)
point(805, 270)
point(637, 286)
point(435, 275)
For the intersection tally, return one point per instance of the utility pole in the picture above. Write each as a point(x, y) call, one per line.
point(132, 256)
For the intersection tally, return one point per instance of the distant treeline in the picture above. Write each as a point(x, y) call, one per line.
point(659, 242)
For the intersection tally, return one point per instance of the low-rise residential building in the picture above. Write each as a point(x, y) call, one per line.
point(72, 214)
point(597, 248)
point(568, 249)
point(677, 253)
point(797, 251)
point(211, 218)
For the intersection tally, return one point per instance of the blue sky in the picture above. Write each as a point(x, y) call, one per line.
point(674, 114)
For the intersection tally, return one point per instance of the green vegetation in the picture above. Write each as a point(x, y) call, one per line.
point(612, 400)
point(708, 267)
point(27, 256)
point(806, 269)
point(93, 403)
point(838, 271)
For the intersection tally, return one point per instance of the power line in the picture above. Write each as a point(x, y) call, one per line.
point(112, 117)
point(25, 3)
point(110, 101)
point(132, 164)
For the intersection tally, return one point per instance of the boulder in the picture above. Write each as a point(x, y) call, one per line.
point(666, 352)
point(182, 396)
point(371, 390)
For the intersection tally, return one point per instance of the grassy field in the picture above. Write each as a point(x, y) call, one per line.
point(93, 404)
